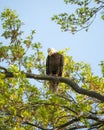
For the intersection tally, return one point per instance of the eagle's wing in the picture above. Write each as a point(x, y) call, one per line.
point(47, 65)
point(61, 65)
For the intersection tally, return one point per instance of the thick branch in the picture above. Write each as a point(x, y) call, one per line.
point(72, 84)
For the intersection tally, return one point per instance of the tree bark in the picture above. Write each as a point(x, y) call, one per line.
point(68, 81)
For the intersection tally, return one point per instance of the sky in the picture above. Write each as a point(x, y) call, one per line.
point(36, 14)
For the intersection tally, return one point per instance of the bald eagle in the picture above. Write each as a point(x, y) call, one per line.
point(54, 66)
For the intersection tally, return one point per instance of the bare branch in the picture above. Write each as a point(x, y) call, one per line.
point(2, 68)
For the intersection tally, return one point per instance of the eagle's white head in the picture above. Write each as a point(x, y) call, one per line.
point(51, 51)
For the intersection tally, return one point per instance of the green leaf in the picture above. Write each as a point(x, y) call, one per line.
point(102, 17)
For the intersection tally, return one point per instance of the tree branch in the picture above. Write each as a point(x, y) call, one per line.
point(35, 125)
point(2, 68)
point(71, 83)
point(77, 119)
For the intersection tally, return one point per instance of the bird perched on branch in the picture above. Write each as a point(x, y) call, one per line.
point(54, 66)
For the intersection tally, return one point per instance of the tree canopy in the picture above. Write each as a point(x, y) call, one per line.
point(84, 15)
point(26, 103)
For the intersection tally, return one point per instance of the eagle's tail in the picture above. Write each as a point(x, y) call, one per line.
point(53, 86)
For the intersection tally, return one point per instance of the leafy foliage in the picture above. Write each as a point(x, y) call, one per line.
point(82, 18)
point(26, 104)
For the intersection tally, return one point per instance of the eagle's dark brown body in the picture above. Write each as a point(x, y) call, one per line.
point(54, 67)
